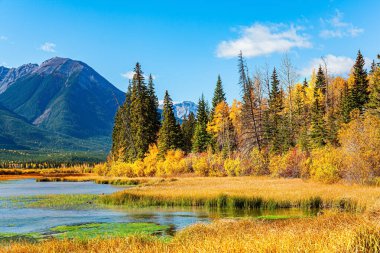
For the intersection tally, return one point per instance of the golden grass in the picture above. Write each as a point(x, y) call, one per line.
point(276, 189)
point(329, 233)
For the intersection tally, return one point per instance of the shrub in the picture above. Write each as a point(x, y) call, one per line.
point(360, 144)
point(174, 164)
point(101, 169)
point(326, 164)
point(201, 165)
point(258, 163)
point(290, 164)
point(233, 167)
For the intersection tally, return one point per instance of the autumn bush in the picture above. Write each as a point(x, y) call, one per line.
point(360, 146)
point(233, 167)
point(290, 164)
point(326, 164)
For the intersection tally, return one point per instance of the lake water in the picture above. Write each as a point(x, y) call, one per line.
point(16, 219)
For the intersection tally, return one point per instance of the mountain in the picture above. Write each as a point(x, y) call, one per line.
point(9, 76)
point(182, 109)
point(18, 134)
point(62, 96)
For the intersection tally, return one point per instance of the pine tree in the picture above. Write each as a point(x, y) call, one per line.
point(188, 128)
point(122, 140)
point(154, 115)
point(201, 138)
point(318, 126)
point(321, 81)
point(359, 90)
point(275, 108)
point(140, 117)
point(170, 135)
point(305, 84)
point(219, 95)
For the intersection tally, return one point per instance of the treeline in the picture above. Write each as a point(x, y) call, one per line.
point(327, 127)
point(45, 165)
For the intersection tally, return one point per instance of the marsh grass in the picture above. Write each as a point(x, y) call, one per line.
point(59, 201)
point(327, 233)
point(247, 193)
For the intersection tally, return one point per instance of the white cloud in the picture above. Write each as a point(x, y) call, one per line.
point(3, 38)
point(336, 65)
point(130, 74)
point(337, 28)
point(260, 39)
point(48, 47)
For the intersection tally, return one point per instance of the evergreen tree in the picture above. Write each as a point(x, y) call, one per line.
point(170, 136)
point(188, 128)
point(219, 94)
point(141, 131)
point(318, 126)
point(305, 84)
point(320, 83)
point(359, 90)
point(121, 137)
point(201, 138)
point(275, 108)
point(154, 115)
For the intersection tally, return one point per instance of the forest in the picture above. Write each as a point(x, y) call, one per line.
point(325, 128)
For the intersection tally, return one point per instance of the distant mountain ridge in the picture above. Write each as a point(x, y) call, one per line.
point(182, 109)
point(62, 95)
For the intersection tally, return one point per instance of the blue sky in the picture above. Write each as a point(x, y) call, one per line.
point(186, 44)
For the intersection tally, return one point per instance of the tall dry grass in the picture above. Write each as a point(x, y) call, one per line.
point(328, 233)
point(284, 192)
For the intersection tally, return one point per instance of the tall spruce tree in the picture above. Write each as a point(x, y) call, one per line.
point(318, 125)
point(359, 90)
point(140, 117)
point(374, 96)
point(219, 94)
point(201, 138)
point(122, 140)
point(275, 108)
point(154, 115)
point(188, 128)
point(320, 83)
point(170, 135)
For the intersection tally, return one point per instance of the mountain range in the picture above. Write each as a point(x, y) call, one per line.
point(62, 105)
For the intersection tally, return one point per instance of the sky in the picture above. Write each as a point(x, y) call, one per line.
point(185, 45)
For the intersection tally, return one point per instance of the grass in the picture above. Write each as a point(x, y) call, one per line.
point(326, 233)
point(105, 230)
point(249, 193)
point(14, 237)
point(60, 201)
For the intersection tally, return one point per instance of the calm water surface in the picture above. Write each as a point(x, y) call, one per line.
point(25, 220)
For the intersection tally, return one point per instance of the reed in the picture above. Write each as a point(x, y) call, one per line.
point(248, 193)
point(327, 233)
